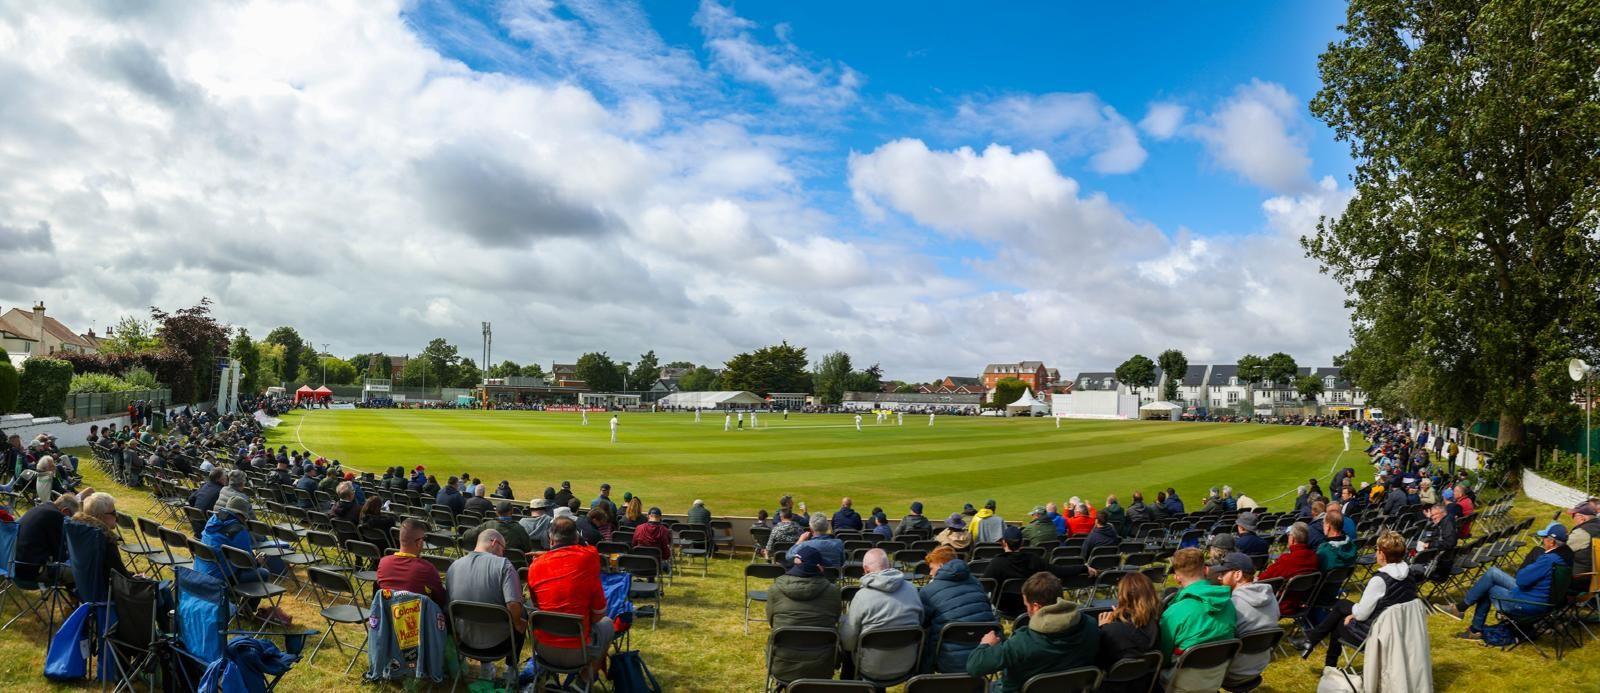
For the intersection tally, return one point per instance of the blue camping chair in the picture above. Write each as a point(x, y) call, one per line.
point(86, 557)
point(202, 616)
point(8, 550)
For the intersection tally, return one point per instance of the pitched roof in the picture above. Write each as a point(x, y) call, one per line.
point(16, 318)
point(959, 380)
point(1220, 373)
point(1195, 376)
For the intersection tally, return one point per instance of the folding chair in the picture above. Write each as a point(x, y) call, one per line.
point(1135, 672)
point(759, 571)
point(946, 683)
point(331, 588)
point(1257, 643)
point(271, 593)
point(164, 559)
point(1529, 628)
point(900, 647)
point(139, 549)
point(646, 572)
point(692, 544)
point(1202, 667)
point(962, 632)
point(830, 686)
point(132, 642)
point(553, 662)
point(1080, 680)
point(821, 644)
point(484, 633)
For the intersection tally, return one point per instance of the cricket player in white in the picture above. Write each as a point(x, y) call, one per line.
point(930, 419)
point(1347, 437)
point(740, 416)
point(613, 428)
point(727, 422)
point(585, 412)
point(753, 423)
point(900, 418)
point(1058, 422)
point(858, 422)
point(697, 414)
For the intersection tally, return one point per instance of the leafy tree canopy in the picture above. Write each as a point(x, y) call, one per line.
point(1137, 371)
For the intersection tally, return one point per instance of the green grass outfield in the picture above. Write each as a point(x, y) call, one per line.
point(670, 460)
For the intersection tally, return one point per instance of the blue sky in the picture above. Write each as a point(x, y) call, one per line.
point(932, 186)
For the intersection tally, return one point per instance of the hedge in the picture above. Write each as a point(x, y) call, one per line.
point(8, 385)
point(43, 387)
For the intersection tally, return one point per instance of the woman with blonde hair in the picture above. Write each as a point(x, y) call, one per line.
point(99, 511)
point(1131, 629)
point(632, 513)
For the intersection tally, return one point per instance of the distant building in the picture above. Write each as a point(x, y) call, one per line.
point(1217, 387)
point(955, 384)
point(914, 401)
point(674, 373)
point(33, 333)
point(1031, 373)
point(566, 375)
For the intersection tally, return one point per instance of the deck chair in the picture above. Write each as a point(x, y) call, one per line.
point(201, 619)
point(1530, 628)
point(1080, 680)
point(132, 643)
point(86, 551)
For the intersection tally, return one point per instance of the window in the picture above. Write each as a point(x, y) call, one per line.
point(1328, 382)
point(1233, 382)
point(1214, 402)
point(1233, 397)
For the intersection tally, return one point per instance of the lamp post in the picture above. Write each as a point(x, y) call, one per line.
point(1582, 372)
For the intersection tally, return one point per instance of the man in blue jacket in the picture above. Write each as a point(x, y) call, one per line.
point(1524, 595)
point(1174, 505)
point(847, 519)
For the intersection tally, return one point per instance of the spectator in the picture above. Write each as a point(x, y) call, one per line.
point(1138, 512)
point(431, 488)
point(512, 535)
point(604, 501)
point(227, 528)
point(1101, 535)
point(451, 498)
point(1081, 521)
point(831, 548)
point(537, 523)
point(846, 519)
point(952, 595)
point(372, 515)
point(564, 496)
point(886, 600)
point(1200, 612)
point(205, 497)
point(1427, 494)
point(1585, 528)
point(1337, 549)
point(407, 571)
point(955, 534)
point(801, 597)
point(1255, 607)
point(1115, 516)
point(986, 525)
point(1056, 638)
point(1247, 542)
point(1394, 502)
point(486, 577)
point(699, 515)
point(654, 533)
point(785, 531)
point(589, 526)
point(1391, 584)
point(914, 524)
point(479, 501)
point(1521, 596)
point(632, 512)
point(1440, 532)
point(566, 579)
point(280, 475)
point(880, 527)
point(100, 511)
point(1040, 530)
point(344, 505)
point(1016, 564)
point(235, 489)
point(1298, 560)
point(1130, 629)
point(1173, 505)
point(40, 538)
point(503, 491)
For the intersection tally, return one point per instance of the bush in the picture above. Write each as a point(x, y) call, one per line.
point(42, 389)
point(8, 385)
point(98, 382)
point(141, 379)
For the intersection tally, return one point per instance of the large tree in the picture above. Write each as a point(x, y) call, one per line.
point(869, 379)
point(645, 373)
point(599, 372)
point(1469, 252)
point(244, 351)
point(505, 369)
point(1175, 365)
point(1280, 368)
point(379, 366)
point(1006, 391)
point(831, 376)
point(776, 368)
point(197, 334)
point(1309, 386)
point(700, 379)
point(442, 359)
point(1252, 369)
point(129, 335)
point(533, 370)
point(1137, 371)
point(289, 339)
point(338, 371)
point(467, 374)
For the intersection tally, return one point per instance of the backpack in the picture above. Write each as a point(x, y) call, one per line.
point(629, 674)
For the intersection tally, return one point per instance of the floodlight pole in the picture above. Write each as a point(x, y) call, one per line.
point(324, 359)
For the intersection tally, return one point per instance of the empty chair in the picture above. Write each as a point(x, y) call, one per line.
point(946, 683)
point(1082, 679)
point(339, 603)
point(1202, 667)
point(766, 573)
point(830, 686)
point(1133, 673)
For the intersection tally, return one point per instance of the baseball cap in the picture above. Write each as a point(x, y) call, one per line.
point(1231, 562)
point(956, 521)
point(1011, 535)
point(916, 507)
point(1248, 521)
point(654, 511)
point(1584, 508)
point(1555, 530)
point(806, 562)
point(989, 504)
point(1222, 541)
point(1037, 510)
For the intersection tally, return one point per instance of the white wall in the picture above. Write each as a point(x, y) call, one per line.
point(1547, 491)
point(68, 435)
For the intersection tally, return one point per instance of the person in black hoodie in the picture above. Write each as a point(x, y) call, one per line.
point(1103, 534)
point(40, 537)
point(1130, 630)
point(914, 524)
point(205, 497)
point(846, 519)
point(564, 496)
point(1139, 513)
point(1021, 565)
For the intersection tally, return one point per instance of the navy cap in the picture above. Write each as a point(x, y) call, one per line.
point(1011, 535)
point(916, 507)
point(806, 561)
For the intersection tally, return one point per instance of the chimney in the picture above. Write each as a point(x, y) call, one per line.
point(38, 322)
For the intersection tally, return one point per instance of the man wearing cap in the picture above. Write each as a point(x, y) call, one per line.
point(987, 525)
point(509, 527)
point(654, 533)
point(1255, 607)
point(537, 523)
point(227, 528)
point(1015, 563)
point(1039, 530)
point(955, 534)
point(803, 597)
point(1247, 542)
point(1585, 527)
point(564, 496)
point(604, 500)
point(1519, 596)
point(914, 524)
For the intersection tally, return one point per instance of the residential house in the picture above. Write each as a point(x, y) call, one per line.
point(1096, 380)
point(566, 375)
point(955, 384)
point(33, 333)
point(1031, 373)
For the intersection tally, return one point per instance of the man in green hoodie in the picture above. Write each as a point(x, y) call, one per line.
point(1056, 638)
point(1201, 611)
point(1337, 550)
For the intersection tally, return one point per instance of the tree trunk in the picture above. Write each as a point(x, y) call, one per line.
point(1511, 429)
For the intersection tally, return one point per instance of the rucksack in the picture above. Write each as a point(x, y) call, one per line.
point(629, 674)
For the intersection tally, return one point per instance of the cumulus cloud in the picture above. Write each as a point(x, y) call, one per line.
point(1066, 124)
point(1162, 119)
point(793, 76)
point(1256, 133)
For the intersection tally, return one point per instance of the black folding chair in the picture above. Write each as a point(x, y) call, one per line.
point(893, 643)
point(1134, 672)
point(339, 603)
point(485, 633)
point(759, 571)
point(646, 585)
point(1257, 642)
point(821, 644)
point(1080, 680)
point(554, 662)
point(830, 686)
point(132, 642)
point(946, 683)
point(968, 632)
point(1202, 667)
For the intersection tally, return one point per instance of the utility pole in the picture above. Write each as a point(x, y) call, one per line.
point(324, 359)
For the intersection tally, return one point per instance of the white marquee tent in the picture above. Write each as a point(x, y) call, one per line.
point(722, 399)
point(1026, 405)
point(1160, 410)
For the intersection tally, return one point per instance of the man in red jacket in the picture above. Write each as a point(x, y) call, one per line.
point(655, 534)
point(566, 579)
point(1298, 560)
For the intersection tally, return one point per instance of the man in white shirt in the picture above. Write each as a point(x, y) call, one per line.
point(930, 419)
point(858, 422)
point(613, 428)
point(727, 422)
point(584, 411)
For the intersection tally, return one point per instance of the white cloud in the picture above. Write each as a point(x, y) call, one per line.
point(1066, 124)
point(793, 77)
point(1256, 134)
point(1162, 119)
